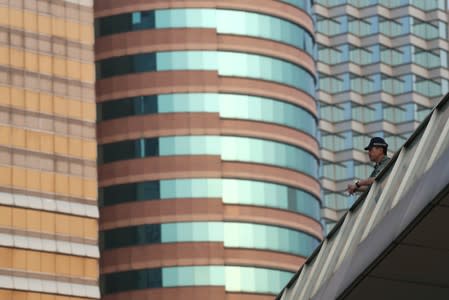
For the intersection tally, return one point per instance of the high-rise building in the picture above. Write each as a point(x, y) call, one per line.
point(382, 65)
point(48, 175)
point(208, 157)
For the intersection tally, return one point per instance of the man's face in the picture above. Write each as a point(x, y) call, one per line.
point(375, 153)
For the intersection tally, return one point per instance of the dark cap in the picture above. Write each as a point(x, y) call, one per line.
point(376, 142)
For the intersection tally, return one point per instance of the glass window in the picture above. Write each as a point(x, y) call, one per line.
point(391, 56)
point(361, 56)
point(337, 201)
point(330, 3)
point(232, 234)
point(335, 171)
point(426, 30)
point(233, 278)
point(333, 142)
point(389, 27)
point(359, 27)
point(331, 56)
point(360, 141)
point(230, 148)
point(395, 114)
point(332, 113)
point(365, 113)
point(244, 23)
point(393, 85)
point(226, 63)
point(429, 4)
point(362, 85)
point(426, 58)
point(390, 3)
point(331, 84)
point(360, 3)
point(363, 170)
point(427, 87)
point(395, 142)
point(232, 191)
point(328, 26)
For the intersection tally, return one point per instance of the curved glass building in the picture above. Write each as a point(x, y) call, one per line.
point(207, 147)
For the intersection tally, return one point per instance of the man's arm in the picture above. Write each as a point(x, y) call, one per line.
point(360, 185)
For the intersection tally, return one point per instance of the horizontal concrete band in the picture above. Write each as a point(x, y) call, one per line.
point(156, 125)
point(89, 3)
point(44, 5)
point(48, 277)
point(42, 156)
point(208, 166)
point(26, 283)
point(188, 210)
point(44, 43)
point(166, 82)
point(188, 254)
point(48, 202)
point(86, 129)
point(274, 8)
point(48, 84)
point(47, 76)
point(196, 39)
point(48, 236)
point(25, 241)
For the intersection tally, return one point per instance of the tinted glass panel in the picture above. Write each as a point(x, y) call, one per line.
point(227, 105)
point(244, 23)
point(232, 191)
point(234, 235)
point(230, 148)
point(226, 63)
point(233, 278)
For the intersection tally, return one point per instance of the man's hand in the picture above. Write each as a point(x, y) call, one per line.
point(351, 189)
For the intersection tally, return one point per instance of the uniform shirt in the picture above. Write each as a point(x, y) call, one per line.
point(379, 166)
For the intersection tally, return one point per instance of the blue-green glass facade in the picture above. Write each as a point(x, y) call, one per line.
point(232, 234)
point(281, 113)
point(231, 191)
point(230, 106)
point(233, 278)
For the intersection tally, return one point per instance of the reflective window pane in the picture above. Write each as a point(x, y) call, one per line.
point(230, 148)
point(232, 191)
point(232, 234)
point(226, 63)
point(233, 278)
point(244, 23)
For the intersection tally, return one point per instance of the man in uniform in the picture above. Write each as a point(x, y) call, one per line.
point(377, 152)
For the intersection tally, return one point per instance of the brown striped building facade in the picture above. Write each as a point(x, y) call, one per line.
point(207, 150)
point(48, 174)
